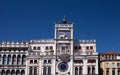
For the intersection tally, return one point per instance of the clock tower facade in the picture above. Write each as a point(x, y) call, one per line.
point(61, 55)
point(64, 47)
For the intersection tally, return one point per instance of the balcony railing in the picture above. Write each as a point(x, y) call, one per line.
point(85, 53)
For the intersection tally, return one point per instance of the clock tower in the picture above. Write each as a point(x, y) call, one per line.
point(64, 47)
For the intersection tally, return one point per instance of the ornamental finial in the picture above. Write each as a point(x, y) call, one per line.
point(64, 19)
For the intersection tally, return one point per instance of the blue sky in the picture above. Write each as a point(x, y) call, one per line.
point(34, 19)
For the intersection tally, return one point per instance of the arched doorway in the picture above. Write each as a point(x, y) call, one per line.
point(13, 72)
point(23, 72)
point(23, 59)
point(8, 72)
point(14, 59)
point(3, 72)
point(18, 59)
point(93, 70)
point(76, 71)
point(4, 59)
point(88, 69)
point(9, 60)
point(17, 72)
point(80, 70)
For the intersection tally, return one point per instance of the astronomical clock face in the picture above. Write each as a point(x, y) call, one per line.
point(63, 66)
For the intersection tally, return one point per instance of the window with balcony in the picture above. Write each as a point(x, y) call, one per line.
point(49, 61)
point(51, 47)
point(46, 48)
point(87, 47)
point(38, 48)
point(113, 65)
point(91, 47)
point(63, 48)
point(93, 61)
point(80, 48)
point(31, 61)
point(45, 61)
point(34, 48)
point(107, 65)
point(118, 65)
point(35, 61)
point(78, 61)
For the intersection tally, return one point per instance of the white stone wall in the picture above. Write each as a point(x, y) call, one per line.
point(42, 56)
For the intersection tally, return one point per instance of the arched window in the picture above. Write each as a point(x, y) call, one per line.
point(8, 72)
point(112, 57)
point(4, 59)
point(107, 72)
point(46, 48)
point(3, 72)
point(93, 70)
point(14, 59)
point(44, 70)
point(38, 48)
point(22, 72)
point(30, 71)
point(91, 47)
point(80, 61)
point(9, 60)
point(18, 59)
point(17, 72)
point(49, 70)
point(13, 72)
point(80, 70)
point(118, 72)
point(76, 71)
point(88, 69)
point(35, 70)
point(0, 59)
point(34, 48)
point(23, 59)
